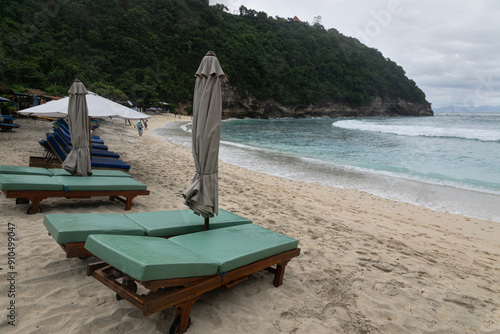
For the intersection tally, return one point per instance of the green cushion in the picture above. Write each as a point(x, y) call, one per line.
point(28, 182)
point(74, 183)
point(147, 259)
point(76, 227)
point(58, 172)
point(95, 172)
point(176, 222)
point(237, 246)
point(6, 169)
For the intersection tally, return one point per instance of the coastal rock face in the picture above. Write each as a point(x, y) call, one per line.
point(235, 106)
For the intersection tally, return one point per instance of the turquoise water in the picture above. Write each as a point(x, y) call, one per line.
point(456, 150)
point(449, 162)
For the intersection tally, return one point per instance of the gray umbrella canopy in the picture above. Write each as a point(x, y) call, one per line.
point(202, 195)
point(78, 160)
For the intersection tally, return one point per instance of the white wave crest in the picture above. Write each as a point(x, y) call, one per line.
point(420, 131)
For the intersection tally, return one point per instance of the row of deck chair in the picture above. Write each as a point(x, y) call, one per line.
point(96, 151)
point(169, 254)
point(94, 124)
point(63, 126)
point(33, 184)
point(95, 161)
point(57, 146)
point(67, 139)
point(61, 122)
point(6, 127)
point(7, 123)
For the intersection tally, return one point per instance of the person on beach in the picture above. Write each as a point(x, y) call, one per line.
point(139, 128)
point(146, 124)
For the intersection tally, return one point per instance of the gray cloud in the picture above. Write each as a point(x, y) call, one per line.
point(448, 47)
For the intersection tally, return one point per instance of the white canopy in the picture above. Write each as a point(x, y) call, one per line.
point(99, 107)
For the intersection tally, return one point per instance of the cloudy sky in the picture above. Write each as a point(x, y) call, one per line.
point(450, 48)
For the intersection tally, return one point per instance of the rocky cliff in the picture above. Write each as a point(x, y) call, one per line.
point(235, 106)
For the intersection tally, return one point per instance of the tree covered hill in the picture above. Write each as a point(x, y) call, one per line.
point(149, 50)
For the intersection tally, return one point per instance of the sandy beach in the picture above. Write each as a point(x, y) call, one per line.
point(368, 265)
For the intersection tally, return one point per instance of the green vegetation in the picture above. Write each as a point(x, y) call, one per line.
point(149, 50)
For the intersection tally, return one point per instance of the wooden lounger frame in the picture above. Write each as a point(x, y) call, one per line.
point(8, 127)
point(182, 293)
point(36, 196)
point(75, 249)
point(44, 162)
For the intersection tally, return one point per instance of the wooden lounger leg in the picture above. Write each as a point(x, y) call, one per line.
point(127, 201)
point(128, 204)
point(280, 272)
point(35, 208)
point(182, 312)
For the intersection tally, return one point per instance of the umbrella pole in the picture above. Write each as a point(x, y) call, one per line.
point(206, 224)
point(90, 140)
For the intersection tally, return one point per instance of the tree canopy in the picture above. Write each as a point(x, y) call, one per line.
point(149, 50)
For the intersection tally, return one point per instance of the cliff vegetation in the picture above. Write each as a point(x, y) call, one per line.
point(147, 51)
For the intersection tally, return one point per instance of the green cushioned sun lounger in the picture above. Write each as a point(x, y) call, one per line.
point(28, 182)
point(177, 271)
point(72, 183)
point(71, 230)
point(176, 222)
point(236, 246)
point(76, 227)
point(35, 188)
point(68, 183)
point(23, 170)
point(149, 258)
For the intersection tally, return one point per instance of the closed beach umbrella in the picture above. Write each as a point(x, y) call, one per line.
point(78, 160)
point(202, 195)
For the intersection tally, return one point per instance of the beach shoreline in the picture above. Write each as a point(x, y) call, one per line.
point(368, 264)
point(474, 203)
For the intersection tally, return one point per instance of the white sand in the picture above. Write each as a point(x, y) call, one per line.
point(368, 265)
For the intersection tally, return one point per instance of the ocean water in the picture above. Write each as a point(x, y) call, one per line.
point(449, 162)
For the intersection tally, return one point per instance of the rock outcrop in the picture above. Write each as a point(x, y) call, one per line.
point(235, 106)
